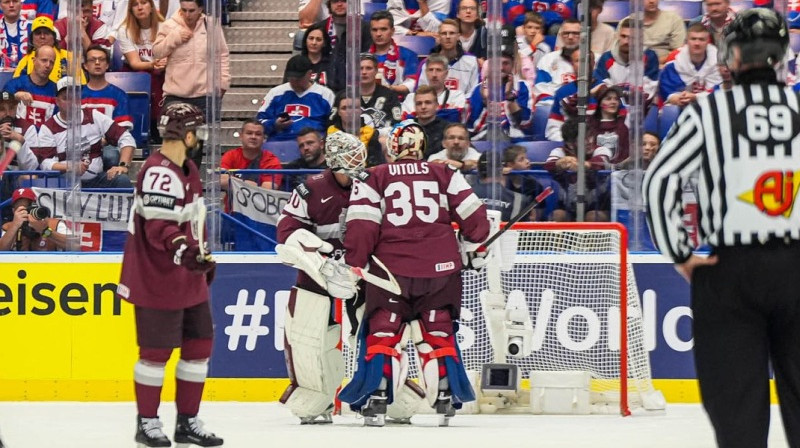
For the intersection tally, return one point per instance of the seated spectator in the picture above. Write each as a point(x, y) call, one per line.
point(99, 94)
point(607, 124)
point(296, 104)
point(379, 105)
point(110, 12)
point(693, 71)
point(555, 68)
point(183, 39)
point(457, 151)
point(491, 188)
point(341, 121)
point(14, 35)
point(135, 38)
point(311, 145)
point(418, 16)
point(515, 158)
point(317, 48)
point(20, 130)
point(651, 142)
point(664, 31)
point(565, 101)
point(471, 25)
point(531, 45)
point(36, 92)
point(613, 68)
point(96, 130)
point(461, 69)
point(562, 163)
point(718, 15)
point(426, 106)
point(397, 66)
point(250, 156)
point(93, 30)
point(515, 107)
point(336, 27)
point(44, 33)
point(26, 232)
point(603, 35)
point(452, 104)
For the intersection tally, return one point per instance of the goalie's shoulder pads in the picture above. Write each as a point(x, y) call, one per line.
point(303, 190)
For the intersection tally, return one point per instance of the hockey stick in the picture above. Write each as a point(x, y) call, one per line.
point(389, 284)
point(201, 229)
point(536, 201)
point(11, 149)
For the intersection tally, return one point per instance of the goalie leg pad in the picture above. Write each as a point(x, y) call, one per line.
point(314, 363)
point(382, 338)
point(440, 358)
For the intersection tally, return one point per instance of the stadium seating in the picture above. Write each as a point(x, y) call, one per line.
point(370, 7)
point(540, 116)
point(421, 45)
point(117, 63)
point(285, 151)
point(5, 77)
point(137, 86)
point(651, 120)
point(484, 145)
point(539, 151)
point(669, 114)
point(794, 42)
point(687, 10)
point(741, 5)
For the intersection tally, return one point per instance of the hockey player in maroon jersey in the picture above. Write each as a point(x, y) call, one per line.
point(402, 212)
point(165, 275)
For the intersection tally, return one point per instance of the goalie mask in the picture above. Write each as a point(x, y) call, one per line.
point(407, 139)
point(760, 34)
point(345, 153)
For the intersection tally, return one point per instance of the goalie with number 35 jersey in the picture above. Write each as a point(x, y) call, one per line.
point(402, 213)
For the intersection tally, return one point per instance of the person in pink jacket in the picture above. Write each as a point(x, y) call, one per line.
point(183, 39)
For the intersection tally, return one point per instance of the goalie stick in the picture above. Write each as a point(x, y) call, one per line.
point(536, 201)
point(201, 228)
point(389, 284)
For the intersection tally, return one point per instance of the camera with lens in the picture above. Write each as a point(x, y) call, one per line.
point(38, 212)
point(517, 326)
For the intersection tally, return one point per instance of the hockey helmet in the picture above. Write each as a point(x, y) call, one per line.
point(761, 34)
point(407, 139)
point(345, 153)
point(181, 118)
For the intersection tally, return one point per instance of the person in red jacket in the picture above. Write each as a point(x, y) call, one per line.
point(166, 273)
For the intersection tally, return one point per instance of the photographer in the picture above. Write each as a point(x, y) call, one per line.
point(32, 229)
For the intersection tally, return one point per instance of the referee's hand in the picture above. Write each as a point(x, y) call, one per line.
point(687, 268)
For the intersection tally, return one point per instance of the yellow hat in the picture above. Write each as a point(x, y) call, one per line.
point(43, 21)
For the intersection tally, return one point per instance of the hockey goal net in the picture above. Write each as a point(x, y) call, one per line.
point(583, 304)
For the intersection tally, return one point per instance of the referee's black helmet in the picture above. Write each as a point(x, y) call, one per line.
point(761, 34)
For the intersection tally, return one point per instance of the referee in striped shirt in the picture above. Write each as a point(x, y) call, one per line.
point(743, 148)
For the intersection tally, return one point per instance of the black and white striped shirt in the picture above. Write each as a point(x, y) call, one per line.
point(743, 148)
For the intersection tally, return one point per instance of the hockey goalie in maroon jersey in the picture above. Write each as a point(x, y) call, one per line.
point(312, 224)
point(166, 273)
point(402, 213)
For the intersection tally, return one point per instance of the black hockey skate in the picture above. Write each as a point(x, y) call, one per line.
point(189, 431)
point(149, 433)
point(444, 407)
point(374, 411)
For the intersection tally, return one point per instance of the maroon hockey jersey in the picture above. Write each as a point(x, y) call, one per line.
point(318, 205)
point(402, 213)
point(166, 204)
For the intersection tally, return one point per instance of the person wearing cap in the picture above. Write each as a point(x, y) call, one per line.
point(44, 33)
point(27, 233)
point(296, 104)
point(36, 91)
point(96, 130)
point(183, 40)
point(20, 130)
point(14, 35)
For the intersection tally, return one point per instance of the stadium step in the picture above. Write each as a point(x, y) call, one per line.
point(272, 34)
point(242, 102)
point(257, 65)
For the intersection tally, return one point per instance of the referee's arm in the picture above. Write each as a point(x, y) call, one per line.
point(680, 156)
